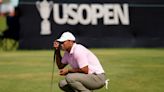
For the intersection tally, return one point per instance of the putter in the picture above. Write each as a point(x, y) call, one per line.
point(53, 67)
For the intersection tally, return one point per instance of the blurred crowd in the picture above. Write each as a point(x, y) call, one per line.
point(9, 9)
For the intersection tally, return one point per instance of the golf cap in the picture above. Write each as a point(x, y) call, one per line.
point(66, 36)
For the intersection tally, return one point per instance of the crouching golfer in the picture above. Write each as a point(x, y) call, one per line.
point(86, 72)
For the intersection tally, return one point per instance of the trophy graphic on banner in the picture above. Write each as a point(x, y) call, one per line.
point(44, 9)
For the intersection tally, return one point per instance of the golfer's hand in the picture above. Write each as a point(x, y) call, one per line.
point(63, 72)
point(56, 45)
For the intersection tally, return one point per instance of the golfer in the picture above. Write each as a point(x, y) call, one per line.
point(86, 73)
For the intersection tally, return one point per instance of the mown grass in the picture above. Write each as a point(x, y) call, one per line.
point(129, 70)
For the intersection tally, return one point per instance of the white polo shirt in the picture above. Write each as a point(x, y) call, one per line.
point(80, 57)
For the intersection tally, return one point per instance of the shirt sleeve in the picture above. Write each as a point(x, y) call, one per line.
point(64, 58)
point(81, 58)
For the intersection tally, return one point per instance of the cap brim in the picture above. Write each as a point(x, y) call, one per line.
point(61, 40)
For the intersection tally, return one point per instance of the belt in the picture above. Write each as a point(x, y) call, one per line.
point(99, 73)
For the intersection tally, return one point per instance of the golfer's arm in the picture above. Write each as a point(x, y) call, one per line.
point(58, 59)
point(79, 70)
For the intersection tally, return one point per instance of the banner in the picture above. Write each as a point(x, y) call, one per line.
point(100, 24)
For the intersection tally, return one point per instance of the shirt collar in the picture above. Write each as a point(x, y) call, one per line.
point(72, 49)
